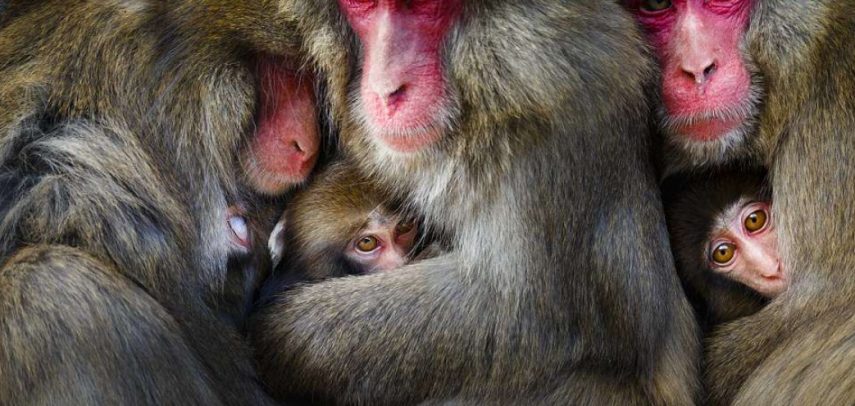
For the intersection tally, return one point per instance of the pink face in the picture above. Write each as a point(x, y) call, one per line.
point(706, 87)
point(744, 248)
point(384, 244)
point(402, 92)
point(285, 147)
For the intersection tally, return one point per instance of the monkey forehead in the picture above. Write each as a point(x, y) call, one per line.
point(730, 212)
point(382, 216)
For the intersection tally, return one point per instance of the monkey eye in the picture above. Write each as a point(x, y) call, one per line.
point(367, 244)
point(653, 6)
point(723, 253)
point(756, 220)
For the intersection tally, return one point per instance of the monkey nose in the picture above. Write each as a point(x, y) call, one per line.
point(393, 98)
point(304, 152)
point(699, 72)
point(390, 96)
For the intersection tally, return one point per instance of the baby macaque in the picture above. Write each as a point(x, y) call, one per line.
point(725, 245)
point(341, 224)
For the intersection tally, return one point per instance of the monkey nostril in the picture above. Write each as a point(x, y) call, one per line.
point(709, 70)
point(395, 96)
point(398, 92)
point(297, 147)
point(698, 75)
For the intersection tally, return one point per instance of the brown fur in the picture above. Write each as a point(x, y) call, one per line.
point(121, 125)
point(800, 348)
point(559, 286)
point(323, 218)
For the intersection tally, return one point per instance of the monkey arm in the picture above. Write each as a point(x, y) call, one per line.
point(88, 186)
point(73, 331)
point(406, 315)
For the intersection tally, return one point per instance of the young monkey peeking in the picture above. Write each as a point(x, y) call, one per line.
point(341, 224)
point(725, 244)
point(743, 247)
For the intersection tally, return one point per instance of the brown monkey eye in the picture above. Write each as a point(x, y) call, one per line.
point(723, 253)
point(367, 244)
point(756, 220)
point(655, 5)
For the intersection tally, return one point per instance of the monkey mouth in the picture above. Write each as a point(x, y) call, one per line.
point(411, 141)
point(704, 129)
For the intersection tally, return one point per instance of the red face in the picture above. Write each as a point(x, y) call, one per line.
point(382, 245)
point(744, 247)
point(286, 143)
point(402, 92)
point(706, 87)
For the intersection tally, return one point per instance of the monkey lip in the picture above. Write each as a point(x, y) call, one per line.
point(705, 129)
point(409, 142)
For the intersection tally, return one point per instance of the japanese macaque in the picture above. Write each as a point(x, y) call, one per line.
point(725, 244)
point(341, 224)
point(770, 82)
point(519, 130)
point(127, 130)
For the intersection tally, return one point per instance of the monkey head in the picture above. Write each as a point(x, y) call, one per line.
point(743, 247)
point(723, 237)
point(285, 145)
point(341, 224)
point(710, 91)
point(403, 95)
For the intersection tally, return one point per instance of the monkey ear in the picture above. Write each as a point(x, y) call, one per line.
point(276, 243)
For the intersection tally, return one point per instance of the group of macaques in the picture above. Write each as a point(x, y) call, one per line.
point(427, 201)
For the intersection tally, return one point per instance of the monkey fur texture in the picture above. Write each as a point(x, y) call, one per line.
point(559, 286)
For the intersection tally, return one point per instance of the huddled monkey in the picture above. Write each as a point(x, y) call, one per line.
point(725, 243)
point(769, 82)
point(127, 131)
point(518, 130)
point(341, 224)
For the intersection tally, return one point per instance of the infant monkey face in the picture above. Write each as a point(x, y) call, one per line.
point(744, 247)
point(383, 244)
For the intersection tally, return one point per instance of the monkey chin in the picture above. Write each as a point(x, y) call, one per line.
point(410, 142)
point(711, 144)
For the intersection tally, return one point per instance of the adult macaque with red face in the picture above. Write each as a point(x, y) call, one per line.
point(709, 98)
point(518, 129)
point(131, 133)
point(784, 68)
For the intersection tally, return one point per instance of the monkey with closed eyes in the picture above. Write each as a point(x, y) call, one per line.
point(725, 243)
